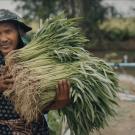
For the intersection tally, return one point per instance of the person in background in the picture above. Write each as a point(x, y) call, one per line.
point(12, 32)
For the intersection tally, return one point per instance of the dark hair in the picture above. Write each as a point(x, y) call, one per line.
point(20, 43)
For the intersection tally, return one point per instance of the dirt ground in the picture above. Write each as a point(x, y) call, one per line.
point(124, 123)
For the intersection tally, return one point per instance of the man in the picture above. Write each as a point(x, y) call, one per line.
point(11, 37)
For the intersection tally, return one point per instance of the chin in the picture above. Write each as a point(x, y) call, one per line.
point(5, 52)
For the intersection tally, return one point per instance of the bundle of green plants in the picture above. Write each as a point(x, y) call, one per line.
point(56, 53)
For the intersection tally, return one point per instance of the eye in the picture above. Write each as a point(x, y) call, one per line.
point(8, 31)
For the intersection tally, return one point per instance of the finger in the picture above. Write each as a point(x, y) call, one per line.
point(60, 88)
point(7, 76)
point(57, 89)
point(65, 85)
point(4, 87)
point(66, 89)
point(8, 81)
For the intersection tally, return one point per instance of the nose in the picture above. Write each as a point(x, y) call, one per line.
point(3, 39)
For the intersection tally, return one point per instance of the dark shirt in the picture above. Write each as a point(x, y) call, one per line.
point(7, 112)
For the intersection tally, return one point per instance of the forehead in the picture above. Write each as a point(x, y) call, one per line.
point(5, 25)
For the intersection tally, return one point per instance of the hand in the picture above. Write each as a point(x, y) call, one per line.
point(62, 96)
point(6, 82)
point(62, 91)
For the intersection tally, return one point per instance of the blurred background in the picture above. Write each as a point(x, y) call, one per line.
point(109, 24)
point(110, 27)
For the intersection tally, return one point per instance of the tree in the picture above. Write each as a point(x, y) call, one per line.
point(92, 11)
point(35, 9)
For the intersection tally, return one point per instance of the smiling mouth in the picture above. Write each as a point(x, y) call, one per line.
point(5, 46)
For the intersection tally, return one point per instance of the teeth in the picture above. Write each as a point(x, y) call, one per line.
point(5, 46)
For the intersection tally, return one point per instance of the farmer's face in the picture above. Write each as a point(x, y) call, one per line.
point(8, 37)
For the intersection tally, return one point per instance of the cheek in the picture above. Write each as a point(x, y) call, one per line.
point(15, 41)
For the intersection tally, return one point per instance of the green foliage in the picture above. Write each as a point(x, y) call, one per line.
point(54, 122)
point(35, 9)
point(56, 47)
point(92, 12)
point(119, 29)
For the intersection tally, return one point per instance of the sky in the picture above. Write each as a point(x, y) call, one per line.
point(9, 4)
point(123, 6)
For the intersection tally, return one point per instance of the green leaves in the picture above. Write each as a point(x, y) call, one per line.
point(56, 55)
